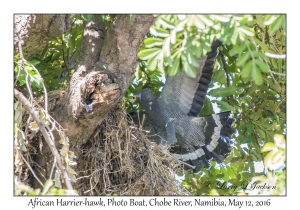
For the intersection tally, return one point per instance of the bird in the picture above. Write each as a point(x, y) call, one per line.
point(174, 117)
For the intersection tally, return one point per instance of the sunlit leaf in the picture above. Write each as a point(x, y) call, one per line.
point(243, 58)
point(88, 17)
point(166, 23)
point(219, 76)
point(33, 126)
point(148, 53)
point(279, 140)
point(222, 18)
point(264, 67)
point(234, 35)
point(269, 19)
point(197, 22)
point(160, 32)
point(259, 54)
point(260, 20)
point(269, 146)
point(207, 108)
point(172, 70)
point(250, 66)
point(256, 75)
point(279, 22)
point(224, 106)
point(151, 42)
point(247, 31)
point(152, 63)
point(223, 92)
point(132, 18)
point(206, 20)
point(191, 59)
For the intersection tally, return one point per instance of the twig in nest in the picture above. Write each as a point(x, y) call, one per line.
point(28, 165)
point(50, 142)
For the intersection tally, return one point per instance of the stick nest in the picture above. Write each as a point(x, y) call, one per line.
point(121, 160)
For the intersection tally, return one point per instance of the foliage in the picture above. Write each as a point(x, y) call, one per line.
point(249, 80)
point(48, 189)
point(56, 62)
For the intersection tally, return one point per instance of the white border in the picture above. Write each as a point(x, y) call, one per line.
point(8, 8)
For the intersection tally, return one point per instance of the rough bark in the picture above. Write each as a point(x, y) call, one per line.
point(105, 69)
point(113, 66)
point(34, 31)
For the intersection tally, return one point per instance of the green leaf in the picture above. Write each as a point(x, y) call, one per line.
point(260, 20)
point(173, 37)
point(250, 127)
point(234, 35)
point(101, 17)
point(222, 18)
point(172, 70)
point(196, 48)
point(257, 115)
point(261, 133)
point(148, 53)
point(187, 67)
point(279, 22)
point(256, 75)
point(258, 54)
point(47, 186)
point(219, 76)
point(269, 19)
point(160, 66)
point(263, 46)
point(160, 32)
point(251, 89)
point(243, 58)
point(166, 46)
point(269, 146)
point(88, 17)
point(223, 92)
point(247, 139)
point(264, 67)
point(151, 42)
point(34, 61)
point(250, 66)
point(197, 22)
point(246, 30)
point(191, 59)
point(152, 63)
point(35, 79)
point(206, 20)
point(279, 140)
point(207, 108)
point(224, 106)
point(132, 18)
point(166, 23)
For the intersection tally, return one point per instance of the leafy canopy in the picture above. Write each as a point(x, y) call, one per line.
point(249, 80)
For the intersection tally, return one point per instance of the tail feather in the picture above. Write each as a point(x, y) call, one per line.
point(218, 131)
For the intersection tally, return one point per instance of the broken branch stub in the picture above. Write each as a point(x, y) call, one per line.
point(99, 90)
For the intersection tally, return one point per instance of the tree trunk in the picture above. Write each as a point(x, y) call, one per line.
point(107, 63)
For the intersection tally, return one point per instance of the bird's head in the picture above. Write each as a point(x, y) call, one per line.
point(136, 98)
point(142, 96)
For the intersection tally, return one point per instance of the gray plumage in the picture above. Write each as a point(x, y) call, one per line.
point(174, 116)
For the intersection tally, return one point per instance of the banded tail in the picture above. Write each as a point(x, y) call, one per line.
point(218, 142)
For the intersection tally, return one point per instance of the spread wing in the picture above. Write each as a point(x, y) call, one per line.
point(189, 93)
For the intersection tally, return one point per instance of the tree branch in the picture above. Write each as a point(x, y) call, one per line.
point(50, 142)
point(112, 55)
